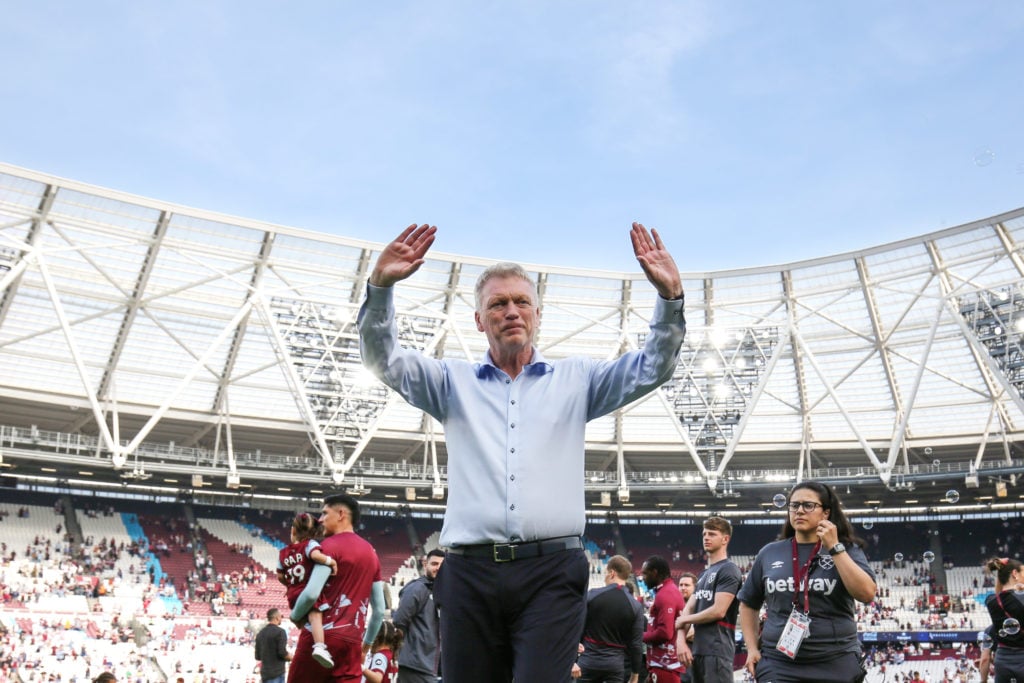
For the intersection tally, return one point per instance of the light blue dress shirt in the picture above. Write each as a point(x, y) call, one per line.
point(516, 446)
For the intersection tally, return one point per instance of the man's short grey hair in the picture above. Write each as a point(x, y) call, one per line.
point(503, 269)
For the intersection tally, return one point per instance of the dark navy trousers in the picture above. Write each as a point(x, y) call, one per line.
point(503, 620)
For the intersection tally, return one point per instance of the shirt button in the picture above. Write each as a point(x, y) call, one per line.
point(508, 381)
point(512, 507)
point(513, 477)
point(513, 425)
point(511, 450)
point(513, 401)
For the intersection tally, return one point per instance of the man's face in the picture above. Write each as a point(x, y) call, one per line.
point(332, 517)
point(650, 576)
point(508, 313)
point(431, 566)
point(686, 586)
point(714, 540)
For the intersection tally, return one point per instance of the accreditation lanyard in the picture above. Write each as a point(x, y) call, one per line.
point(999, 599)
point(802, 576)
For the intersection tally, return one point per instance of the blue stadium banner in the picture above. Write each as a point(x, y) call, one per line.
point(918, 636)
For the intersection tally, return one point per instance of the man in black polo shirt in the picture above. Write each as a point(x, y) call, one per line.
point(712, 609)
point(614, 627)
point(272, 648)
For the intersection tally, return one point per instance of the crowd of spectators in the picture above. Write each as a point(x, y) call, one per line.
point(106, 586)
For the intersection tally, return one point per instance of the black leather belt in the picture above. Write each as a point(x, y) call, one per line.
point(507, 552)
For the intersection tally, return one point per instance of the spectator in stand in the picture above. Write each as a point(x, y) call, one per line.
point(272, 648)
point(294, 566)
point(105, 677)
point(808, 582)
point(417, 617)
point(356, 587)
point(513, 588)
point(663, 664)
point(1006, 608)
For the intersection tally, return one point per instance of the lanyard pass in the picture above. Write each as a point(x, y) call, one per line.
point(801, 576)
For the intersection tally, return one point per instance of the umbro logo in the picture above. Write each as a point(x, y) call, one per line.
point(777, 563)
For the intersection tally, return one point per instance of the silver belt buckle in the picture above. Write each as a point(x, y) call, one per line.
point(500, 556)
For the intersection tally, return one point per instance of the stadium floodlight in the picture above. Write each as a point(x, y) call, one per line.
point(358, 489)
point(410, 493)
point(623, 494)
point(197, 481)
point(971, 480)
point(437, 493)
point(137, 473)
point(233, 480)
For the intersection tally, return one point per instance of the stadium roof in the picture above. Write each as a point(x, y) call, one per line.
point(146, 342)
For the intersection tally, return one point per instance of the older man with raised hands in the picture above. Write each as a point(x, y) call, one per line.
point(512, 588)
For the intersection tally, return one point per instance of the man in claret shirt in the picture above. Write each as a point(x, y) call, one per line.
point(355, 598)
point(662, 662)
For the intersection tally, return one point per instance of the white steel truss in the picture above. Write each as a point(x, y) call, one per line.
point(171, 324)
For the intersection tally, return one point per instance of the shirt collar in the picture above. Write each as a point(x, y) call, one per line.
point(538, 364)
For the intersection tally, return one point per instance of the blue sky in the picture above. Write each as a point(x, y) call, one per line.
point(750, 133)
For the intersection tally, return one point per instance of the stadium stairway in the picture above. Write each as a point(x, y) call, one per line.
point(172, 604)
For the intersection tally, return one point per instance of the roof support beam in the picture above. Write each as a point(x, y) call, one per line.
point(359, 281)
point(198, 365)
point(880, 336)
point(1012, 249)
point(9, 283)
point(259, 268)
point(798, 369)
point(295, 385)
point(995, 381)
point(87, 386)
point(625, 302)
point(134, 303)
point(709, 312)
point(426, 421)
point(748, 410)
point(904, 416)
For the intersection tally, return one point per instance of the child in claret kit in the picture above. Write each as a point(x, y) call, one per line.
point(294, 564)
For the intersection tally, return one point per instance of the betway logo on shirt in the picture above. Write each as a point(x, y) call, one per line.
point(824, 586)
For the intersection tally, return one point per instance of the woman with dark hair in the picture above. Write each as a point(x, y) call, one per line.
point(807, 582)
point(1006, 607)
